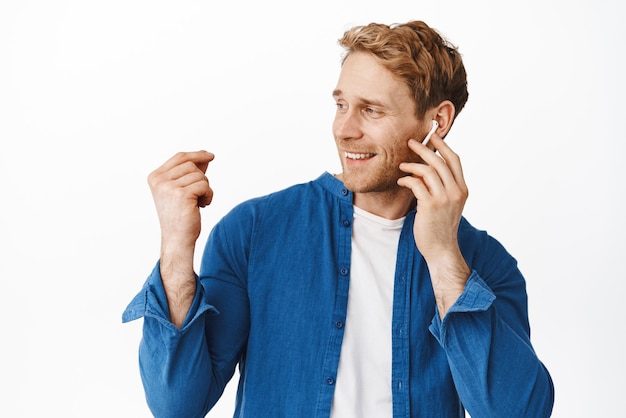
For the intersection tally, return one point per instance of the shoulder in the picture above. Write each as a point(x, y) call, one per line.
point(294, 200)
point(481, 249)
point(314, 193)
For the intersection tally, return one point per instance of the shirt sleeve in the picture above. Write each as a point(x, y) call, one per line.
point(486, 338)
point(172, 386)
point(151, 302)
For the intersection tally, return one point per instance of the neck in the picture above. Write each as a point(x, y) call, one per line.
point(392, 204)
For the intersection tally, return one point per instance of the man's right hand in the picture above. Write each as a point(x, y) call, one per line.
point(179, 189)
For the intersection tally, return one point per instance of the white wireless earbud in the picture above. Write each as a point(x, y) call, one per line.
point(431, 132)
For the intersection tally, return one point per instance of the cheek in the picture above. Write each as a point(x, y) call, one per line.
point(401, 152)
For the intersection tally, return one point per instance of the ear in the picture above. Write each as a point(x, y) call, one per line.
point(444, 115)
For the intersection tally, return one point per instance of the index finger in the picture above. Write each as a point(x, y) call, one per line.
point(451, 158)
point(200, 158)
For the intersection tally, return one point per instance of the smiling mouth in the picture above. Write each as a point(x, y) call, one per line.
point(357, 155)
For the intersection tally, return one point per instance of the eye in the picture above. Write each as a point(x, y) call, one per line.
point(373, 112)
point(341, 106)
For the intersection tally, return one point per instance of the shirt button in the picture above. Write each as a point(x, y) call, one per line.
point(339, 324)
point(344, 192)
point(345, 222)
point(330, 381)
point(343, 271)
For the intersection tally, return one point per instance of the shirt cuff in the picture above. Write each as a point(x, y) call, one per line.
point(151, 301)
point(476, 297)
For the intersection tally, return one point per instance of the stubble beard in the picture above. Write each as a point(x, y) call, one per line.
point(378, 180)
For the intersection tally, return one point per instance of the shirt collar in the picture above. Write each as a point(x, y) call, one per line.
point(335, 186)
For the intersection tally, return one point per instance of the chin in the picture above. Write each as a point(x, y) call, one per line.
point(369, 184)
point(353, 183)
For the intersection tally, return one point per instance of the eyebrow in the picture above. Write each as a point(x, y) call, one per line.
point(337, 93)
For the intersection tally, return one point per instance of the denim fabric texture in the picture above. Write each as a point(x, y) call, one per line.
point(272, 298)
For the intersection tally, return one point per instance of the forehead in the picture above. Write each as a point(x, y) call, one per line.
point(363, 77)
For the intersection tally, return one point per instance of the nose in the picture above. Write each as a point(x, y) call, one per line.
point(347, 125)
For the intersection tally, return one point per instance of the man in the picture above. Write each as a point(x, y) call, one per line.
point(364, 294)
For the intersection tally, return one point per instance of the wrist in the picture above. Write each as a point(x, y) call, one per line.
point(176, 264)
point(179, 282)
point(448, 274)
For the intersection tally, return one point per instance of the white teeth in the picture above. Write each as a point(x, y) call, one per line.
point(356, 156)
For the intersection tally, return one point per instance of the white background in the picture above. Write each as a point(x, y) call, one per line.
point(96, 94)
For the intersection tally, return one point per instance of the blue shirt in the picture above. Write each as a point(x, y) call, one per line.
point(272, 299)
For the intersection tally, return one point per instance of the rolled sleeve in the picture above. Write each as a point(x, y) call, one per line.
point(151, 301)
point(495, 370)
point(476, 297)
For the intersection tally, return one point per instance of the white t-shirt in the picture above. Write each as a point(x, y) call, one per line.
point(363, 384)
